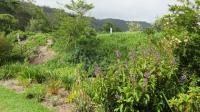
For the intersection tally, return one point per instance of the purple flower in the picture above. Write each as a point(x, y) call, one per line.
point(183, 78)
point(157, 56)
point(173, 61)
point(118, 96)
point(126, 65)
point(132, 55)
point(147, 74)
point(146, 78)
point(118, 54)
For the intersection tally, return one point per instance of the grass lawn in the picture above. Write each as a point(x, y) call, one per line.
point(12, 102)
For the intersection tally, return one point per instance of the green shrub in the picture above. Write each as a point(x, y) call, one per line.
point(35, 73)
point(149, 31)
point(142, 84)
point(67, 75)
point(5, 48)
point(54, 86)
point(36, 91)
point(188, 53)
point(188, 102)
point(10, 71)
point(7, 22)
point(24, 81)
point(31, 41)
point(83, 102)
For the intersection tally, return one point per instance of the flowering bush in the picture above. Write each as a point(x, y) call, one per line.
point(188, 52)
point(144, 83)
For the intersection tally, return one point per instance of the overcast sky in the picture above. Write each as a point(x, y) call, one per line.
point(139, 10)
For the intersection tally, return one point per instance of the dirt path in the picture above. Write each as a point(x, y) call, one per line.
point(13, 85)
point(44, 54)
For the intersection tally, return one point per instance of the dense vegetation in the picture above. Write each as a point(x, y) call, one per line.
point(121, 24)
point(157, 69)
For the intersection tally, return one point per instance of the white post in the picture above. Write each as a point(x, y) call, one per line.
point(19, 42)
point(111, 30)
point(18, 39)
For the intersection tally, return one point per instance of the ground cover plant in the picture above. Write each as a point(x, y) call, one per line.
point(12, 102)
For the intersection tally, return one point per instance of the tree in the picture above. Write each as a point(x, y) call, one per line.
point(133, 26)
point(9, 6)
point(80, 7)
point(186, 16)
point(7, 23)
point(185, 19)
point(25, 13)
point(158, 25)
point(76, 33)
point(5, 47)
point(38, 21)
point(107, 25)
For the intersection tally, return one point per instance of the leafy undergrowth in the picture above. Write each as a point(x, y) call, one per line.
point(128, 72)
point(12, 102)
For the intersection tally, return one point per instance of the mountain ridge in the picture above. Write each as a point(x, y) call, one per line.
point(122, 24)
point(98, 23)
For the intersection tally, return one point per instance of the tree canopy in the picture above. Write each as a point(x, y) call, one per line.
point(79, 7)
point(107, 25)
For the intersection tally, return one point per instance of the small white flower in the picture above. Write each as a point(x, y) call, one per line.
point(186, 40)
point(177, 40)
point(198, 23)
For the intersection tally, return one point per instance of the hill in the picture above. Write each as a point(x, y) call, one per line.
point(98, 23)
point(122, 24)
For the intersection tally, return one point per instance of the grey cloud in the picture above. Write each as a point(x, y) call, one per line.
point(143, 10)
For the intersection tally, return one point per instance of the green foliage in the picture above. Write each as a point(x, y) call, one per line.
point(107, 25)
point(123, 72)
point(141, 84)
point(67, 75)
point(54, 86)
point(7, 22)
point(38, 22)
point(133, 26)
point(29, 44)
point(78, 38)
point(149, 31)
point(123, 42)
point(34, 73)
point(5, 48)
point(24, 81)
point(183, 26)
point(188, 102)
point(188, 52)
point(28, 15)
point(35, 25)
point(53, 19)
point(184, 17)
point(36, 91)
point(86, 48)
point(82, 100)
point(10, 71)
point(159, 24)
point(80, 7)
point(9, 5)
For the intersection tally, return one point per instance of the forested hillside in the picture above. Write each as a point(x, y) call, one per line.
point(122, 24)
point(97, 24)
